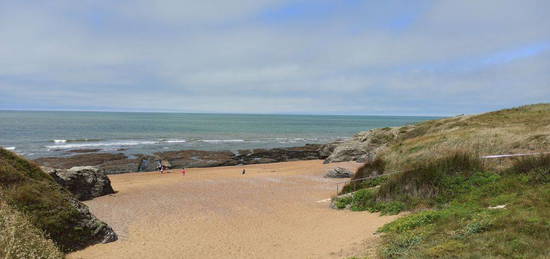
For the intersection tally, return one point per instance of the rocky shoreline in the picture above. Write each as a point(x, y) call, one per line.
point(362, 147)
point(119, 163)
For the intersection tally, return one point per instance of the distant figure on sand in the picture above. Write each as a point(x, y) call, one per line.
point(244, 171)
point(160, 166)
point(183, 171)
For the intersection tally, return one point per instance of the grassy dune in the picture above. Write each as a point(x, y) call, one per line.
point(462, 205)
point(519, 130)
point(21, 239)
point(36, 198)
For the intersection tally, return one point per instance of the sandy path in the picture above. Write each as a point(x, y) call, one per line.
point(271, 212)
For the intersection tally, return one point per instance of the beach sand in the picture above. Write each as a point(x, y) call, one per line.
point(273, 211)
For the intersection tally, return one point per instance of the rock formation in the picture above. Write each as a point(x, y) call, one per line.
point(119, 163)
point(85, 182)
point(48, 206)
point(339, 172)
point(364, 146)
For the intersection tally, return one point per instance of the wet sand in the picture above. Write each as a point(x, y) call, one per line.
point(273, 211)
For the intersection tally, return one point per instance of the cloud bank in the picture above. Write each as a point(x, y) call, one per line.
point(275, 56)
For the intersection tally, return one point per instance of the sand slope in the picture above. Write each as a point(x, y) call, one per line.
point(271, 212)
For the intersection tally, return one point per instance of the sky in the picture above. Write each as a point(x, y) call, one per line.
point(351, 57)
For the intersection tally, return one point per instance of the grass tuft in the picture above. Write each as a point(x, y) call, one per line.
point(21, 239)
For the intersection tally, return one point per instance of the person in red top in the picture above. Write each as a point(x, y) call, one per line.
point(183, 172)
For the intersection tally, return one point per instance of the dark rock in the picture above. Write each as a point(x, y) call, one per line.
point(79, 160)
point(119, 163)
point(198, 158)
point(85, 182)
point(100, 232)
point(257, 156)
point(339, 172)
point(84, 150)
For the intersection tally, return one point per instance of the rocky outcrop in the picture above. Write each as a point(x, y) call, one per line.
point(119, 163)
point(48, 206)
point(339, 172)
point(198, 158)
point(99, 231)
point(362, 147)
point(260, 156)
point(95, 159)
point(85, 182)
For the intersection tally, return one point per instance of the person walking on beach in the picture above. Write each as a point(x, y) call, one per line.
point(244, 171)
point(183, 171)
point(160, 167)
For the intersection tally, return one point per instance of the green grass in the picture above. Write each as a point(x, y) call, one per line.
point(426, 184)
point(47, 206)
point(463, 226)
point(449, 190)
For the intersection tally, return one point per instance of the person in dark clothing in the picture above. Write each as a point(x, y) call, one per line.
point(244, 171)
point(160, 166)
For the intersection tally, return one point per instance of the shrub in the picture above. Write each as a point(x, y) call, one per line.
point(429, 179)
point(537, 166)
point(369, 169)
point(373, 168)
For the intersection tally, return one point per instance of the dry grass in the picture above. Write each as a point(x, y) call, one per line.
point(519, 130)
point(20, 239)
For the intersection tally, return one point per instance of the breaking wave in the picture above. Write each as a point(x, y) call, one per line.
point(102, 144)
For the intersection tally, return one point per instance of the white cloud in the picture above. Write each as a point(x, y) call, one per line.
point(221, 56)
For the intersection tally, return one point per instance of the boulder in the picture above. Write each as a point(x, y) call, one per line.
point(100, 232)
point(84, 182)
point(362, 147)
point(339, 172)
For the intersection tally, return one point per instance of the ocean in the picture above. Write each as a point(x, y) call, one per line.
point(38, 134)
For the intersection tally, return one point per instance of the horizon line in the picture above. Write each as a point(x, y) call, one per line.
point(224, 113)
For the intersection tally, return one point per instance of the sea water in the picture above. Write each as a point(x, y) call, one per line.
point(38, 134)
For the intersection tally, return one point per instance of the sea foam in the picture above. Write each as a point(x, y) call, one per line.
point(221, 140)
point(175, 141)
point(102, 144)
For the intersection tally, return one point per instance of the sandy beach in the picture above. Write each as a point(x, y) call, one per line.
point(275, 210)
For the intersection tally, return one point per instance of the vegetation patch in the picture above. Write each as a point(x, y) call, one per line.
point(45, 204)
point(21, 239)
point(464, 225)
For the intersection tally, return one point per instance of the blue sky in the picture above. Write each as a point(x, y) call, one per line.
point(274, 56)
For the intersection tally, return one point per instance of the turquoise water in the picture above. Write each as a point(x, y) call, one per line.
point(38, 134)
